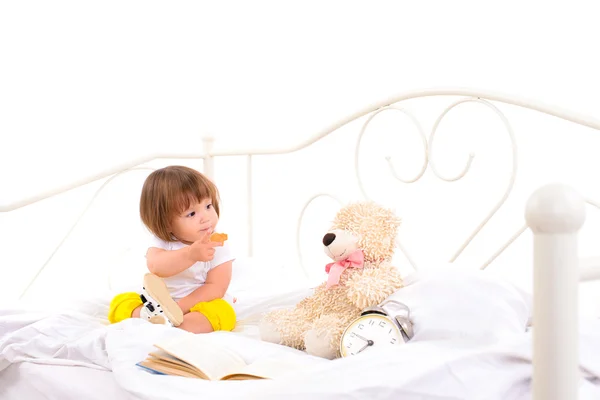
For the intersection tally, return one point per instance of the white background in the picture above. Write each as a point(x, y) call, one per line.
point(87, 85)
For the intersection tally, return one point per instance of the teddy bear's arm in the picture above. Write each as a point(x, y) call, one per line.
point(373, 285)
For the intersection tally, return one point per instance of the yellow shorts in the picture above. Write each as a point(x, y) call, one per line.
point(219, 312)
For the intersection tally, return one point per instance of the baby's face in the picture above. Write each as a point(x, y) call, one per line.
point(192, 224)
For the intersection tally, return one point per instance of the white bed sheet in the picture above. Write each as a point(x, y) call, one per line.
point(51, 369)
point(78, 345)
point(60, 347)
point(32, 381)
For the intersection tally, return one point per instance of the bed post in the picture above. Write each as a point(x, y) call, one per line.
point(209, 169)
point(555, 213)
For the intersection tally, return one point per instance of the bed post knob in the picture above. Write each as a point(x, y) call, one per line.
point(555, 208)
point(555, 213)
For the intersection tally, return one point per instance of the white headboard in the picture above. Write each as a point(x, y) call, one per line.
point(336, 154)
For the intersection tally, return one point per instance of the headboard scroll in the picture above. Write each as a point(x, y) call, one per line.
point(428, 161)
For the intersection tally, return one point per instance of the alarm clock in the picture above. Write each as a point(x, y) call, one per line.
point(376, 327)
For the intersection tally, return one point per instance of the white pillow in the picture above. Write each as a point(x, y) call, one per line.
point(459, 304)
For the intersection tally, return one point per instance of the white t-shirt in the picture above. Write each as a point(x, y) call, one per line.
point(190, 279)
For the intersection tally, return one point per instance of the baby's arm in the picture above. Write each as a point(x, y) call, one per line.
point(166, 263)
point(215, 287)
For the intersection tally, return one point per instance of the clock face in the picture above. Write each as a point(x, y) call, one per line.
point(369, 331)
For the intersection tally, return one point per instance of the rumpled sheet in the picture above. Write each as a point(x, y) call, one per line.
point(445, 369)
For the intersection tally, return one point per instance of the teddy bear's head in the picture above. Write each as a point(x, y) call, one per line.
point(366, 226)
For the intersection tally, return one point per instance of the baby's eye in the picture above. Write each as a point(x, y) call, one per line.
point(208, 206)
point(192, 214)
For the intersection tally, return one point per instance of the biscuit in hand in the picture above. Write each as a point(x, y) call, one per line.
point(218, 237)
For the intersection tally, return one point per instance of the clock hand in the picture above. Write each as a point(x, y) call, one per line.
point(362, 348)
point(362, 338)
point(369, 343)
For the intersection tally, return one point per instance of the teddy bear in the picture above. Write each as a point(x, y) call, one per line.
point(361, 243)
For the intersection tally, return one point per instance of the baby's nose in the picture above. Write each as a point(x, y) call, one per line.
point(328, 238)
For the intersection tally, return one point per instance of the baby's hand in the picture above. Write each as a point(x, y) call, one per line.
point(203, 249)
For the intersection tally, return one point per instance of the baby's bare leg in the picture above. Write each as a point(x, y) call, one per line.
point(136, 313)
point(193, 322)
point(196, 322)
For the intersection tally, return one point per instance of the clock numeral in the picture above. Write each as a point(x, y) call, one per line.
point(360, 326)
point(349, 345)
point(371, 322)
point(393, 340)
point(390, 331)
point(382, 324)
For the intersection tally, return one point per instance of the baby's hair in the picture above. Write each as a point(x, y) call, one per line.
point(170, 191)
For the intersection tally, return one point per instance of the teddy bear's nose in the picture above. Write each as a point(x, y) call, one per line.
point(328, 238)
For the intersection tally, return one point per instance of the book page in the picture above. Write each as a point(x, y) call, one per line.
point(213, 359)
point(162, 362)
point(270, 368)
point(163, 369)
point(166, 357)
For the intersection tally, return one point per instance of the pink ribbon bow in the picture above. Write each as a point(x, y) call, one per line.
point(355, 260)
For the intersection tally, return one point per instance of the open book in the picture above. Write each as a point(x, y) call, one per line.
point(196, 356)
